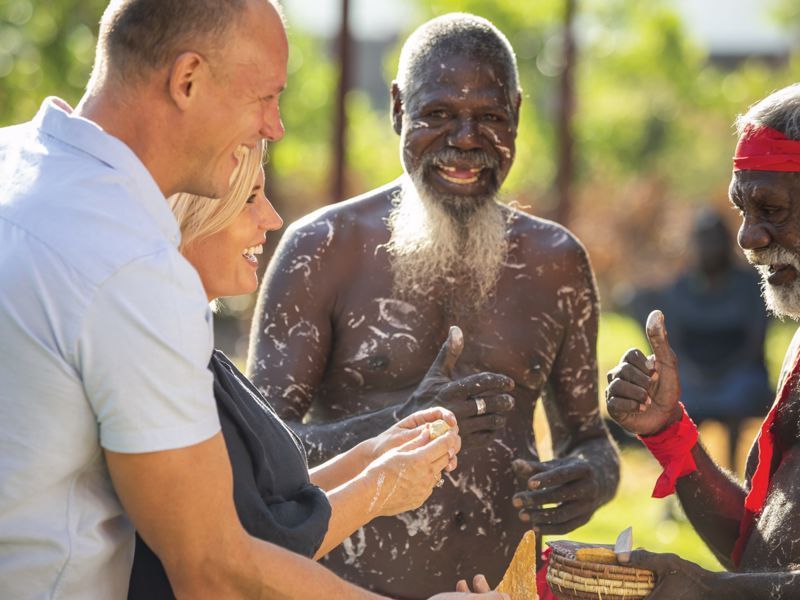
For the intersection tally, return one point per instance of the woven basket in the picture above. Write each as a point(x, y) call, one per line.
point(572, 579)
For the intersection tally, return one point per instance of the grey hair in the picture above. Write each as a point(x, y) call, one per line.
point(780, 110)
point(457, 34)
point(140, 35)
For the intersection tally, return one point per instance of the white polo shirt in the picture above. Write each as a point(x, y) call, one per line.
point(105, 338)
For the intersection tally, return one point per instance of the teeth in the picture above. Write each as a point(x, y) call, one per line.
point(460, 180)
point(254, 250)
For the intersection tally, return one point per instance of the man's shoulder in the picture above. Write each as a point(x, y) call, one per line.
point(532, 233)
point(94, 221)
point(358, 215)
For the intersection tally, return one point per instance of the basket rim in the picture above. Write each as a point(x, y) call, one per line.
point(598, 574)
point(600, 567)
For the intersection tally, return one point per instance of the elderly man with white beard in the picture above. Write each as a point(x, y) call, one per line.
point(360, 296)
point(753, 529)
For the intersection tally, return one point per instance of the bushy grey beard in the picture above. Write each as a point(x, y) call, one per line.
point(783, 300)
point(435, 253)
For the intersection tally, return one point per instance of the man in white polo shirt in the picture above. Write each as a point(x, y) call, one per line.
point(107, 418)
point(104, 330)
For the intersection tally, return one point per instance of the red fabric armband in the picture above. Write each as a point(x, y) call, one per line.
point(766, 149)
point(545, 593)
point(672, 448)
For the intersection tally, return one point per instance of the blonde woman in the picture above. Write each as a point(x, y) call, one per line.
point(276, 497)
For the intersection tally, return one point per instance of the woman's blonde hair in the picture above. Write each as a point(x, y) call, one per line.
point(199, 217)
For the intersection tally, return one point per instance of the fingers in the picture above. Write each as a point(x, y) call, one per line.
point(428, 415)
point(436, 453)
point(479, 384)
point(480, 585)
point(476, 407)
point(485, 423)
point(555, 475)
point(449, 352)
point(633, 396)
point(462, 586)
point(557, 527)
point(632, 368)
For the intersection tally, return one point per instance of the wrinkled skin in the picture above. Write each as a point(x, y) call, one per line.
point(341, 358)
point(643, 395)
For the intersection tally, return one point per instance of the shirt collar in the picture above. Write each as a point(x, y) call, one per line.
point(55, 119)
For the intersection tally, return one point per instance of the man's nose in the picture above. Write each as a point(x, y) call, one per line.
point(754, 234)
point(272, 128)
point(464, 134)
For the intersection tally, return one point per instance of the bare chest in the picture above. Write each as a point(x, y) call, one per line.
point(389, 344)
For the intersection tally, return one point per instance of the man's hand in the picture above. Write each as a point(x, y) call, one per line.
point(643, 392)
point(676, 579)
point(477, 400)
point(562, 495)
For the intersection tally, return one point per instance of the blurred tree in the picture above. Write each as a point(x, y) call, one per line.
point(46, 48)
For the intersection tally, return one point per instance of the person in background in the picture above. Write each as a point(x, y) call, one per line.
point(718, 324)
point(107, 416)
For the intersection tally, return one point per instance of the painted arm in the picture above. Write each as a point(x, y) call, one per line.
point(585, 473)
point(678, 579)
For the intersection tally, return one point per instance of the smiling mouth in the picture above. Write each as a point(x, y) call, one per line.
point(459, 175)
point(251, 254)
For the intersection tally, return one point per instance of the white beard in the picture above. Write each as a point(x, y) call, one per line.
point(783, 300)
point(435, 254)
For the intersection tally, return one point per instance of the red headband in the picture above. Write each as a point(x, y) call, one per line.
point(766, 149)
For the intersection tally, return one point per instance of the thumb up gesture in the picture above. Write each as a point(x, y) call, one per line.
point(643, 391)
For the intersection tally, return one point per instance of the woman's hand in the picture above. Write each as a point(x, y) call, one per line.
point(403, 477)
point(408, 429)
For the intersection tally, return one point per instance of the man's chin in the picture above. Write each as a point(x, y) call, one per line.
point(782, 301)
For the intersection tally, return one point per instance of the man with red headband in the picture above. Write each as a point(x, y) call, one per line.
point(752, 529)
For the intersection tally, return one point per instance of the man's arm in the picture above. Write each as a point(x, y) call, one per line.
point(171, 497)
point(585, 473)
point(680, 579)
point(292, 338)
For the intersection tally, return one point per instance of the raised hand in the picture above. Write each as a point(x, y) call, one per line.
point(644, 391)
point(478, 401)
point(567, 486)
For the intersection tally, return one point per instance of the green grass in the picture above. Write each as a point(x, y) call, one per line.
point(658, 525)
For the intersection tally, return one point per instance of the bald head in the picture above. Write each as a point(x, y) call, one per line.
point(457, 34)
point(141, 36)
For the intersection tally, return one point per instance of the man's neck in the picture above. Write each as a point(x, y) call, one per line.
point(135, 121)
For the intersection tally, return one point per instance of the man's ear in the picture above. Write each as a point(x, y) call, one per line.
point(397, 109)
point(517, 104)
point(184, 78)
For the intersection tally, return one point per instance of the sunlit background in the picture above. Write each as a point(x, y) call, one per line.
point(652, 90)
